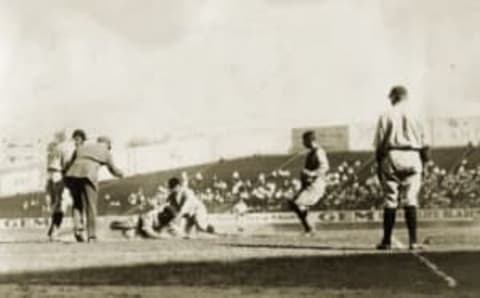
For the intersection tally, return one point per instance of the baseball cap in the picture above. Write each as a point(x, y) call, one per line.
point(80, 134)
point(397, 91)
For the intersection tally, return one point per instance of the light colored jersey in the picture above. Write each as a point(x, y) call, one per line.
point(399, 128)
point(192, 203)
point(59, 156)
point(399, 137)
point(185, 202)
point(191, 211)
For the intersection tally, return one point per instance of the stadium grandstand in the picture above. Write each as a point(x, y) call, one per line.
point(452, 180)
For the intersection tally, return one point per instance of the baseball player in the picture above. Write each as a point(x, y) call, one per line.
point(150, 224)
point(240, 210)
point(154, 223)
point(400, 152)
point(189, 211)
point(178, 217)
point(313, 180)
point(59, 153)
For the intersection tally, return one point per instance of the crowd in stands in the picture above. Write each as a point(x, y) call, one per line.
point(352, 185)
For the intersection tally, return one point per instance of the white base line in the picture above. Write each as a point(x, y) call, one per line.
point(451, 282)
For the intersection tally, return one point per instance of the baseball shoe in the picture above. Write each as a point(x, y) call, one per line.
point(384, 246)
point(416, 246)
point(79, 237)
point(53, 236)
point(92, 239)
point(210, 229)
point(309, 234)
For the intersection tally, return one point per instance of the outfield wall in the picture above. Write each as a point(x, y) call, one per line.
point(262, 219)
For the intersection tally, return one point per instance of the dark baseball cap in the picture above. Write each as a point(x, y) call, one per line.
point(398, 91)
point(309, 135)
point(173, 182)
point(79, 133)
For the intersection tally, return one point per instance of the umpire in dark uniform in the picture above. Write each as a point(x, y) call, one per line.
point(82, 180)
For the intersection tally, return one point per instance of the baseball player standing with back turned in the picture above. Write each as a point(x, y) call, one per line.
point(312, 179)
point(400, 152)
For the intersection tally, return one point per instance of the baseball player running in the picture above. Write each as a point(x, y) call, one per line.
point(313, 181)
point(400, 151)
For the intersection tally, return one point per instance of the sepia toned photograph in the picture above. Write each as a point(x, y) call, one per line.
point(240, 148)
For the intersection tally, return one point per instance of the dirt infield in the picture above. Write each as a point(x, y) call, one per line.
point(335, 263)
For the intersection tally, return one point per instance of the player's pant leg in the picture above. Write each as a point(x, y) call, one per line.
point(309, 196)
point(189, 222)
point(306, 199)
point(57, 194)
point(391, 193)
point(302, 216)
point(412, 186)
point(201, 218)
point(76, 191)
point(54, 198)
point(176, 227)
point(90, 193)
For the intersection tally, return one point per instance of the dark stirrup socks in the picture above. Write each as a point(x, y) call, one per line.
point(411, 221)
point(389, 215)
point(302, 215)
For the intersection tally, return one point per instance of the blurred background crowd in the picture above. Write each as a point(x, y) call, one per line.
point(452, 181)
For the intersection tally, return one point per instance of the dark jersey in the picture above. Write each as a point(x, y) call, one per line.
point(316, 163)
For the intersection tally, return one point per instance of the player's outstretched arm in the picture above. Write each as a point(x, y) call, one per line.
point(113, 169)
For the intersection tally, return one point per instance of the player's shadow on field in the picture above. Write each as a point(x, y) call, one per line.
point(349, 271)
point(302, 247)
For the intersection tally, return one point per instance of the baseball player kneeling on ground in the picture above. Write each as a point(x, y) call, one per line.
point(313, 181)
point(400, 154)
point(190, 214)
point(182, 215)
point(156, 223)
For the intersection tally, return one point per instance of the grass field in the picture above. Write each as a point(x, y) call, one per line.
point(278, 262)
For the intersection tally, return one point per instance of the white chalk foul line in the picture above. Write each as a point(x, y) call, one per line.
point(451, 282)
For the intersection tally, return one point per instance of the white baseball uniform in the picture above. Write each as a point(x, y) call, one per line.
point(400, 136)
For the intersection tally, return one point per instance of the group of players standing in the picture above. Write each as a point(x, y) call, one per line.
point(400, 152)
